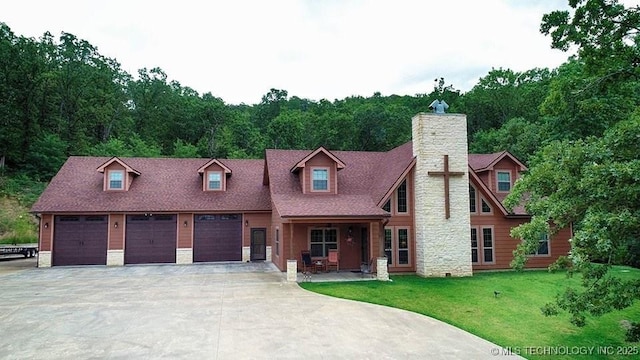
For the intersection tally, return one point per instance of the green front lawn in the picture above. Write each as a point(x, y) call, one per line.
point(511, 319)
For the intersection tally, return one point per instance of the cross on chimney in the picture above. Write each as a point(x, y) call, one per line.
point(446, 174)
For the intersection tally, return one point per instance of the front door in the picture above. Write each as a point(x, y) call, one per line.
point(258, 244)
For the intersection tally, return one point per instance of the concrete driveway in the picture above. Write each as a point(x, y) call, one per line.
point(221, 311)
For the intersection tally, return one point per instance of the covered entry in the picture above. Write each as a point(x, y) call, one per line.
point(150, 238)
point(217, 237)
point(80, 240)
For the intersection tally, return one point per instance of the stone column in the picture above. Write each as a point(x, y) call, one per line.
point(292, 270)
point(44, 258)
point(443, 245)
point(115, 257)
point(246, 254)
point(381, 269)
point(184, 256)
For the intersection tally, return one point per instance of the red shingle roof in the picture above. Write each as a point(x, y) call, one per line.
point(164, 185)
point(482, 162)
point(174, 185)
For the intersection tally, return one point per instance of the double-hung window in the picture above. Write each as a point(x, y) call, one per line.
point(487, 245)
point(504, 181)
point(396, 245)
point(116, 179)
point(543, 245)
point(474, 245)
point(320, 179)
point(482, 245)
point(214, 180)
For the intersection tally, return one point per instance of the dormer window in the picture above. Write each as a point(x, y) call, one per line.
point(504, 181)
point(320, 179)
point(215, 176)
point(318, 172)
point(214, 180)
point(117, 175)
point(116, 179)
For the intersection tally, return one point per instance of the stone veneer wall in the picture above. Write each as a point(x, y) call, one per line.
point(44, 258)
point(115, 257)
point(184, 256)
point(443, 245)
point(246, 254)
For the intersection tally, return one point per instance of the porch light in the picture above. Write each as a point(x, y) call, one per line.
point(246, 223)
point(115, 224)
point(46, 225)
point(350, 236)
point(185, 224)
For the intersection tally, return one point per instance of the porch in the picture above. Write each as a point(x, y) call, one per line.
point(333, 276)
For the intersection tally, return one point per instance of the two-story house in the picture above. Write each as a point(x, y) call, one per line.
point(118, 211)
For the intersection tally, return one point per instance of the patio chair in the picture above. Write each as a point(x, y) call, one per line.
point(367, 269)
point(333, 260)
point(307, 264)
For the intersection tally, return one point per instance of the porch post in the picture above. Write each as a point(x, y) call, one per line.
point(292, 263)
point(292, 270)
point(383, 273)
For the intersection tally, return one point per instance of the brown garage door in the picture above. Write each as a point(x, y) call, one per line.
point(80, 240)
point(150, 239)
point(217, 238)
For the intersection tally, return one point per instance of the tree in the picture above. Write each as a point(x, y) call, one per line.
point(183, 149)
point(592, 185)
point(600, 86)
point(502, 95)
point(519, 136)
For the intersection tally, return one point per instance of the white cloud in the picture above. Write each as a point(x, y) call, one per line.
point(238, 50)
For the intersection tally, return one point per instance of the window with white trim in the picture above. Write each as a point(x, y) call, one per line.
point(401, 198)
point(214, 180)
point(322, 240)
point(320, 179)
point(387, 206)
point(485, 207)
point(487, 245)
point(397, 245)
point(474, 245)
point(403, 246)
point(116, 179)
point(472, 199)
point(543, 245)
point(388, 245)
point(504, 181)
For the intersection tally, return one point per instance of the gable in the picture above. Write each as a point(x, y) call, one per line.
point(214, 175)
point(118, 175)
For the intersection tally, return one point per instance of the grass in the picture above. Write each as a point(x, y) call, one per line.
point(512, 319)
point(17, 194)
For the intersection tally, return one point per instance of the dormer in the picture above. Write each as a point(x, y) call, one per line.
point(214, 175)
point(318, 172)
point(499, 171)
point(118, 176)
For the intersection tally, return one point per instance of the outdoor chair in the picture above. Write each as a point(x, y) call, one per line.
point(333, 260)
point(307, 264)
point(367, 269)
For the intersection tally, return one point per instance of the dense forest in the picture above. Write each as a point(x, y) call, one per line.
point(62, 97)
point(577, 127)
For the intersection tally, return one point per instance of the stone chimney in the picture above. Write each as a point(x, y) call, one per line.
point(442, 219)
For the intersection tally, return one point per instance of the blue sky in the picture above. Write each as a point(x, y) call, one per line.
point(238, 50)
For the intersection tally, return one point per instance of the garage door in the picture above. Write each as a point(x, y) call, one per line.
point(150, 239)
point(80, 240)
point(217, 238)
